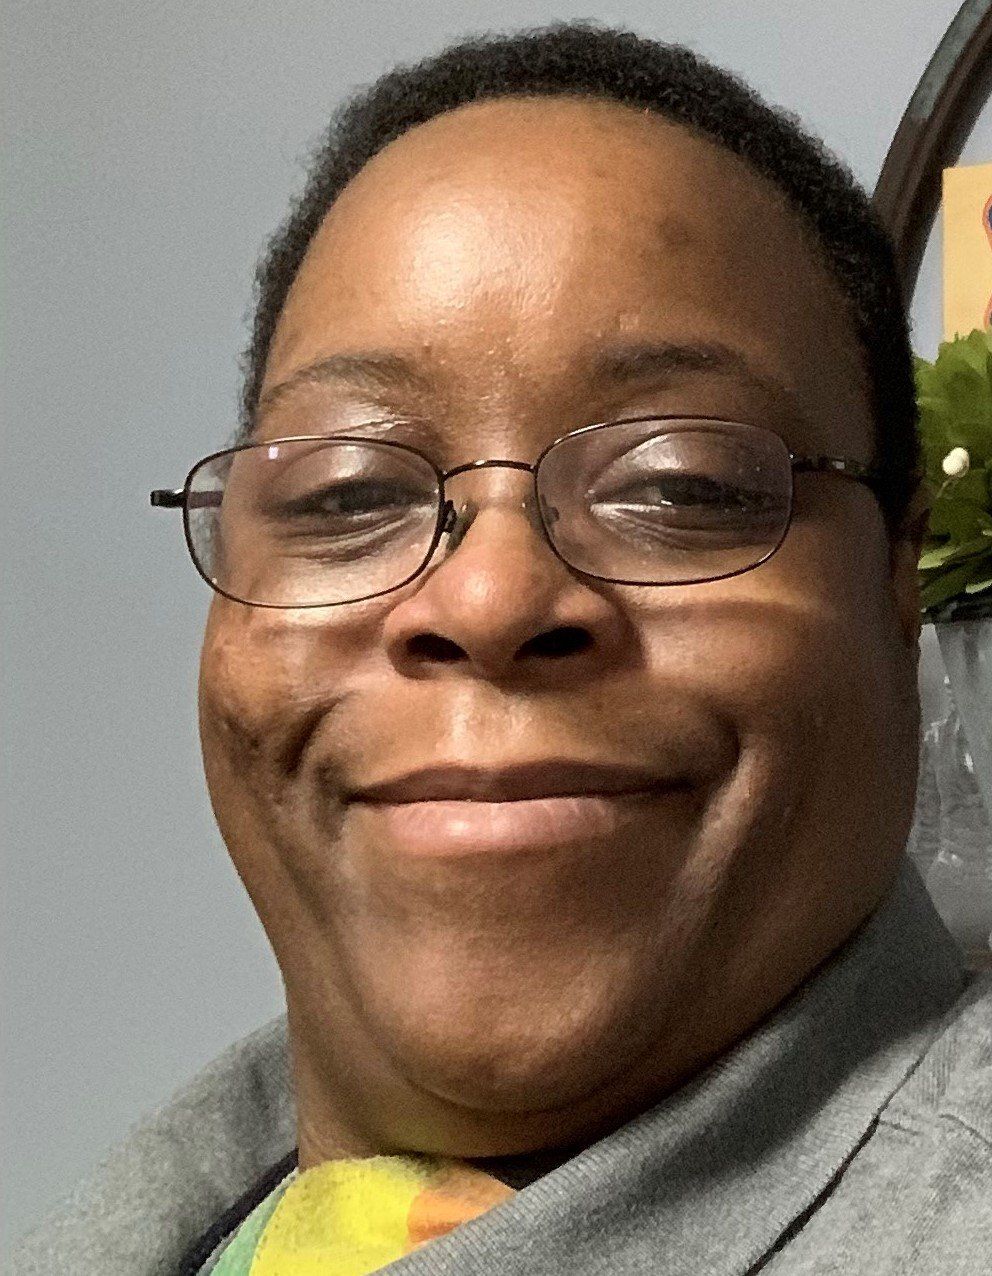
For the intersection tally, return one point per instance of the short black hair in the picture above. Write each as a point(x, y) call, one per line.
point(617, 65)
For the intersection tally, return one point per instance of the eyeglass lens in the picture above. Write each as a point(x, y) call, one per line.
point(313, 522)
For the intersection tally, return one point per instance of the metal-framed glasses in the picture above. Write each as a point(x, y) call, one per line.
point(322, 520)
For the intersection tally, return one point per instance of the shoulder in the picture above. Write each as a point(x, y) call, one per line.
point(176, 1169)
point(916, 1197)
point(952, 1085)
point(935, 1137)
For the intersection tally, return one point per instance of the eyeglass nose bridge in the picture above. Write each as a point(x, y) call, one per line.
point(457, 519)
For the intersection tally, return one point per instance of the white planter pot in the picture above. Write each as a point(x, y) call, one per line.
point(966, 646)
point(951, 839)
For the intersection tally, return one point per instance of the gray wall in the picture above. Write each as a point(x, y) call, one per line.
point(150, 149)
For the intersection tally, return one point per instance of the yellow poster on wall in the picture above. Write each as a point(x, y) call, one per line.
point(967, 249)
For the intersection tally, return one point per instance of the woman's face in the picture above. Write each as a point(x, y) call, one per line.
point(478, 979)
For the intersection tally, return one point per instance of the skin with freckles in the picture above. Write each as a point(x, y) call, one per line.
point(487, 1005)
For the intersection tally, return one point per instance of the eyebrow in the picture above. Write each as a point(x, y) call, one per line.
point(624, 364)
point(368, 369)
point(611, 367)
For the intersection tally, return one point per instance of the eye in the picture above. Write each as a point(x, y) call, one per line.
point(673, 489)
point(355, 499)
point(662, 492)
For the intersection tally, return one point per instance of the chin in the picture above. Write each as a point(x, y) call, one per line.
point(555, 1073)
point(539, 1050)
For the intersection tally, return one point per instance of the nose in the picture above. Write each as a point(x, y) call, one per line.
point(499, 603)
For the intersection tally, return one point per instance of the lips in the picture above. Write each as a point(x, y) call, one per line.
point(519, 783)
point(467, 812)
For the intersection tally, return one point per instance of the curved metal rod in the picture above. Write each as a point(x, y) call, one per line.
point(941, 113)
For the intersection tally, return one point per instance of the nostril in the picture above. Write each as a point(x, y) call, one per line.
point(435, 648)
point(566, 640)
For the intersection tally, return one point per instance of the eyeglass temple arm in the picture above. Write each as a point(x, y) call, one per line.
point(871, 476)
point(172, 499)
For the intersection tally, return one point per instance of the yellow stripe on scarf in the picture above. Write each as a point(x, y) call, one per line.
point(355, 1216)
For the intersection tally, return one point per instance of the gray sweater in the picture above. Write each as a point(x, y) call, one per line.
point(851, 1132)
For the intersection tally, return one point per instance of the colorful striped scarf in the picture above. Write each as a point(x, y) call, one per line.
point(355, 1216)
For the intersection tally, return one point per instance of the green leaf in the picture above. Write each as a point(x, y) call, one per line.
point(945, 586)
point(960, 520)
point(977, 585)
point(935, 557)
point(954, 395)
point(952, 552)
point(972, 350)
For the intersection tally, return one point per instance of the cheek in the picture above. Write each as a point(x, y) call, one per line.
point(838, 694)
point(801, 655)
point(267, 679)
point(249, 676)
point(828, 626)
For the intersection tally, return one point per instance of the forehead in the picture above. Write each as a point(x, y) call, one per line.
point(498, 242)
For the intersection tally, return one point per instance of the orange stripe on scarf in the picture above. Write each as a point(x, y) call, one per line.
point(456, 1194)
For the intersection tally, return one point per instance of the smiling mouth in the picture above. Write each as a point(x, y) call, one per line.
point(458, 810)
point(520, 783)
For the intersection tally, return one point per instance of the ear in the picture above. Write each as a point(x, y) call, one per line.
point(904, 557)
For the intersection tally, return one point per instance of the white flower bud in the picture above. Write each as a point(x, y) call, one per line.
point(956, 462)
